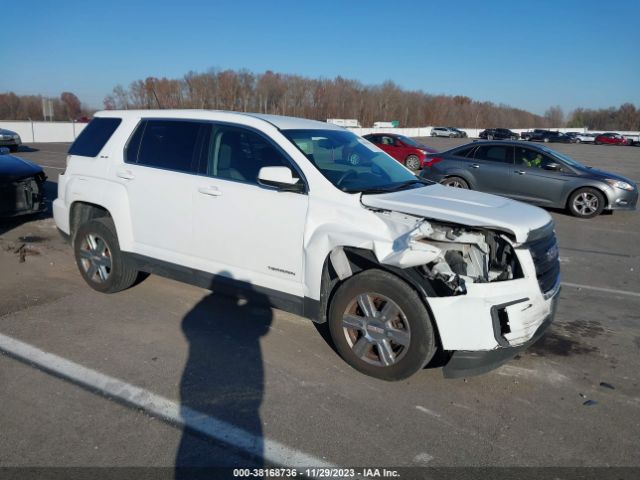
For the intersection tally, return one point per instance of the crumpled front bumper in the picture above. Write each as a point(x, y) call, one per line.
point(465, 363)
point(494, 321)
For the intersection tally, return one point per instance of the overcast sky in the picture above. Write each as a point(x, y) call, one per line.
point(526, 54)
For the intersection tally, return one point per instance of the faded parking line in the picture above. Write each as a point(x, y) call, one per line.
point(163, 408)
point(600, 289)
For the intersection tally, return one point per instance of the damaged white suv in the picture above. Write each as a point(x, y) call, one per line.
point(317, 221)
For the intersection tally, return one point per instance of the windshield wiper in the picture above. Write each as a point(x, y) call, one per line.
point(395, 187)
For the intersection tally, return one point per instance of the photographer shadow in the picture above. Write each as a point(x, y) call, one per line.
point(223, 378)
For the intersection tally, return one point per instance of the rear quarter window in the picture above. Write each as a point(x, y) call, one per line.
point(94, 137)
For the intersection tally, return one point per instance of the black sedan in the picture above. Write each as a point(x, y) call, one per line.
point(498, 134)
point(533, 174)
point(21, 186)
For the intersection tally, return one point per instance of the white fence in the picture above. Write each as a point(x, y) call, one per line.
point(39, 132)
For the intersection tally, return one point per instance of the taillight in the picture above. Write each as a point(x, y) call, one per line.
point(430, 162)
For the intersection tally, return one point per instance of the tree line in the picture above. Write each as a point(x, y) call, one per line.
point(29, 107)
point(320, 99)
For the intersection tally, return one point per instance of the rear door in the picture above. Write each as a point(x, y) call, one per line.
point(533, 182)
point(159, 175)
point(491, 168)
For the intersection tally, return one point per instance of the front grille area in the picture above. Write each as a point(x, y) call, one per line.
point(546, 258)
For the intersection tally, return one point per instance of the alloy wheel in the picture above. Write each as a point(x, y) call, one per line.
point(95, 258)
point(586, 203)
point(454, 183)
point(376, 329)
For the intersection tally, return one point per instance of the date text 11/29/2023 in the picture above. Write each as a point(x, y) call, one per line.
point(316, 472)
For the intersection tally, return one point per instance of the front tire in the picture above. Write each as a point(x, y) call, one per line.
point(380, 326)
point(99, 258)
point(14, 148)
point(489, 137)
point(455, 182)
point(412, 162)
point(586, 203)
point(545, 140)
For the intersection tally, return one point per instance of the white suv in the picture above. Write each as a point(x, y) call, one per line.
point(276, 209)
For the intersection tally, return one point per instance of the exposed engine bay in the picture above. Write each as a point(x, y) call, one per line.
point(452, 256)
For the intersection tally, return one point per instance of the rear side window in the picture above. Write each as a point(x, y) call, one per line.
point(94, 136)
point(495, 153)
point(168, 144)
point(464, 152)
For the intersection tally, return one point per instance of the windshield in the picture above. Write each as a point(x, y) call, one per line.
point(564, 158)
point(352, 163)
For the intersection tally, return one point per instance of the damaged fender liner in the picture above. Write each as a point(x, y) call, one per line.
point(464, 363)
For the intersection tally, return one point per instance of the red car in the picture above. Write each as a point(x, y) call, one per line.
point(610, 138)
point(404, 149)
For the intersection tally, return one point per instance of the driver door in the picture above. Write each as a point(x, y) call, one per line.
point(242, 229)
point(533, 182)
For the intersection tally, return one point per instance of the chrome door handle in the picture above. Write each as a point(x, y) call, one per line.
point(126, 174)
point(213, 191)
point(521, 172)
point(475, 165)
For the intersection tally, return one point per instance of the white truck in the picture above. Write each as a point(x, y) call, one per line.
point(275, 209)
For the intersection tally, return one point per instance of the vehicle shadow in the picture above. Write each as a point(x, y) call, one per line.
point(223, 378)
point(27, 148)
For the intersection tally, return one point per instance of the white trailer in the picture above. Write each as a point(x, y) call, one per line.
point(344, 122)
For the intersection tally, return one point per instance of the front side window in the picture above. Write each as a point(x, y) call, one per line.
point(168, 144)
point(532, 158)
point(236, 153)
point(495, 153)
point(351, 163)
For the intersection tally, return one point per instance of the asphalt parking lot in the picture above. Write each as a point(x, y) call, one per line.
point(573, 399)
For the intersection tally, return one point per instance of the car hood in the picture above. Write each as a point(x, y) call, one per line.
point(6, 132)
point(465, 207)
point(598, 174)
point(14, 168)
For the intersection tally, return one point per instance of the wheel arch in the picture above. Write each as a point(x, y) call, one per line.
point(593, 185)
point(110, 200)
point(361, 260)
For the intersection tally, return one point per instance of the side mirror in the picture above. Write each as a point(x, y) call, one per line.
point(281, 178)
point(553, 166)
point(4, 150)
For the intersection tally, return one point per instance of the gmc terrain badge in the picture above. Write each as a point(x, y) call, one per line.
point(281, 270)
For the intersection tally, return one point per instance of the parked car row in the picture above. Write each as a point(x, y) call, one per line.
point(547, 136)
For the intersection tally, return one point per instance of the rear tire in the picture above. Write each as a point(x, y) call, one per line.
point(412, 162)
point(578, 140)
point(455, 182)
point(13, 148)
point(99, 259)
point(380, 326)
point(545, 140)
point(586, 203)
